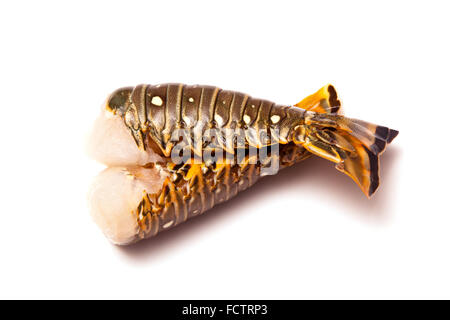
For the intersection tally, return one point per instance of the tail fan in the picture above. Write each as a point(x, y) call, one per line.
point(354, 145)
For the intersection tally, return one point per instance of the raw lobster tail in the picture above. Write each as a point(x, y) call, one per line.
point(139, 130)
point(354, 145)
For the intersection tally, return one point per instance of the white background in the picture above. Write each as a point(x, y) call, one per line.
point(306, 233)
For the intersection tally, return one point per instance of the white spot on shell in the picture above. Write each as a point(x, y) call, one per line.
point(275, 118)
point(247, 119)
point(168, 224)
point(191, 99)
point(187, 120)
point(157, 101)
point(218, 119)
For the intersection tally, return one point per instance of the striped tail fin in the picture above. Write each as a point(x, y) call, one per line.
point(354, 145)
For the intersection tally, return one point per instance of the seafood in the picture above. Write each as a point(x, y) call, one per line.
point(174, 151)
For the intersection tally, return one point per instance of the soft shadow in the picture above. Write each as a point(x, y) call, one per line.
point(315, 178)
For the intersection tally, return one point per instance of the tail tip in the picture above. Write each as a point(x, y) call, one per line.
point(333, 99)
point(392, 134)
point(374, 172)
point(374, 163)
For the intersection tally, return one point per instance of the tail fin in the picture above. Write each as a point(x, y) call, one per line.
point(354, 145)
point(325, 100)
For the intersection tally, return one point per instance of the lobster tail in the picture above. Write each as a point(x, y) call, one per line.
point(354, 145)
